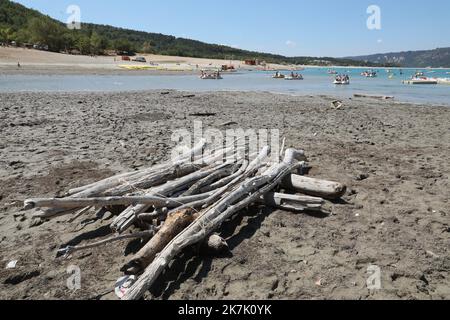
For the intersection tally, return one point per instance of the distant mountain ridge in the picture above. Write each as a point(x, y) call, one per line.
point(436, 58)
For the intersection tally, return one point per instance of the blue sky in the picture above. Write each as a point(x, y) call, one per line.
point(288, 27)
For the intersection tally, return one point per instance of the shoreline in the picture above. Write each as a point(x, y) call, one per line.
point(50, 63)
point(107, 69)
point(393, 101)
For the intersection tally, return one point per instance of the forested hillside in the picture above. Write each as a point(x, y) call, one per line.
point(27, 26)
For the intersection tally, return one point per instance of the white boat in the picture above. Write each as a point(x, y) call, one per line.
point(341, 82)
point(211, 76)
point(421, 80)
point(369, 74)
point(299, 77)
point(278, 76)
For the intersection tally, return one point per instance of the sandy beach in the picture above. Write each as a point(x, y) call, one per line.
point(48, 63)
point(392, 156)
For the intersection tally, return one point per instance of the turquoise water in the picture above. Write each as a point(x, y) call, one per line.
point(316, 81)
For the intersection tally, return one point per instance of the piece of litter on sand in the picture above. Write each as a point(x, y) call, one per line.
point(12, 264)
point(432, 254)
point(319, 282)
point(337, 104)
point(357, 215)
point(229, 123)
point(202, 114)
point(358, 95)
point(123, 284)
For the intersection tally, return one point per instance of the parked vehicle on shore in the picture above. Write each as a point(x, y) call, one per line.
point(139, 59)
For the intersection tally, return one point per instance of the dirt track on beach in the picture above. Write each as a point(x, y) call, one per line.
point(394, 158)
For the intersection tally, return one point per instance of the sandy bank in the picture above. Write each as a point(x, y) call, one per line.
point(42, 62)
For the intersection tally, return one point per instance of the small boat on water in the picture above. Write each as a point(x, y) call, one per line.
point(421, 80)
point(211, 76)
point(332, 71)
point(342, 80)
point(369, 74)
point(294, 77)
point(278, 75)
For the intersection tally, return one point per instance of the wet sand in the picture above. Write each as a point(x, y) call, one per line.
point(393, 156)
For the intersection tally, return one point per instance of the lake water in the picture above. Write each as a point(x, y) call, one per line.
point(316, 81)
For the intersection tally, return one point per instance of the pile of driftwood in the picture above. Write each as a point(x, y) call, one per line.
point(183, 202)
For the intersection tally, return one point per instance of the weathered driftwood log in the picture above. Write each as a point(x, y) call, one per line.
point(158, 214)
point(247, 170)
point(209, 220)
point(112, 201)
point(259, 160)
point(291, 202)
point(79, 214)
point(127, 218)
point(174, 224)
point(196, 188)
point(144, 234)
point(217, 194)
point(225, 181)
point(314, 187)
point(106, 184)
point(108, 181)
point(153, 179)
